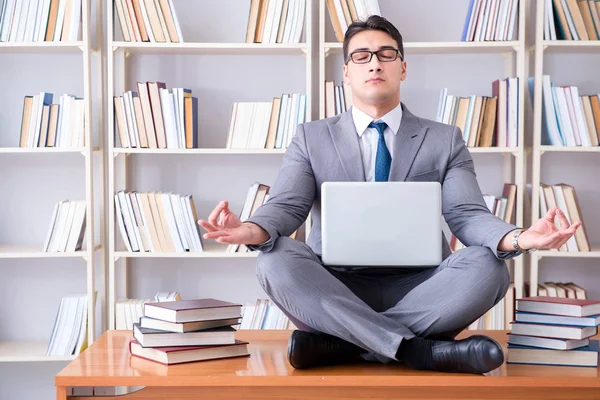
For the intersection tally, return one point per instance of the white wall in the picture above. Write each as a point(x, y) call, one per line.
point(30, 290)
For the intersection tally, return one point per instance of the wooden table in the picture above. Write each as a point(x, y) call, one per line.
point(266, 374)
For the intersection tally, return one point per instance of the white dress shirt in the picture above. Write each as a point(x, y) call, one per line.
point(369, 137)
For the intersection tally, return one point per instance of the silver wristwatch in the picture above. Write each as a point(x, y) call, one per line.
point(515, 242)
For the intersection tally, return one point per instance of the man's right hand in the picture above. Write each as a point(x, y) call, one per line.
point(226, 227)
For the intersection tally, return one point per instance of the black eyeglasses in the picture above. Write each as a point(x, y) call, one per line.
point(383, 55)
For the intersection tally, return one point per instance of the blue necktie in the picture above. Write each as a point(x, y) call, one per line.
point(383, 159)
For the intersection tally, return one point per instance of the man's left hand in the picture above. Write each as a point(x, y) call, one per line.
point(545, 235)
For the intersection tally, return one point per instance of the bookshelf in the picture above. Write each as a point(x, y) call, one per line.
point(205, 42)
point(20, 252)
point(436, 48)
point(572, 154)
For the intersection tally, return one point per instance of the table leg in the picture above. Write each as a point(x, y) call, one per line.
point(61, 393)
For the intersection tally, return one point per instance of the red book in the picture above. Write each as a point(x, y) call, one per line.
point(559, 306)
point(192, 310)
point(185, 354)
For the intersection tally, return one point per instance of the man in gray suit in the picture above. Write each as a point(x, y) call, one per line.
point(384, 314)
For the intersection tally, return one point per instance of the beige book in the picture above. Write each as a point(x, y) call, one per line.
point(188, 116)
point(169, 21)
point(44, 126)
point(595, 101)
point(579, 291)
point(489, 122)
point(562, 17)
point(153, 18)
point(551, 202)
point(570, 292)
point(140, 20)
point(284, 13)
point(147, 115)
point(510, 192)
point(134, 30)
point(509, 305)
point(139, 118)
point(337, 26)
point(151, 226)
point(329, 99)
point(162, 213)
point(252, 21)
point(52, 15)
point(589, 119)
point(137, 220)
point(120, 117)
point(26, 117)
point(595, 14)
point(475, 120)
point(586, 15)
point(158, 222)
point(162, 21)
point(53, 126)
point(353, 12)
point(575, 215)
point(461, 114)
point(577, 19)
point(159, 124)
point(262, 17)
point(272, 133)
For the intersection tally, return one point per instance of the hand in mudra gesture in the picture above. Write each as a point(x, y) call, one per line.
point(225, 226)
point(545, 234)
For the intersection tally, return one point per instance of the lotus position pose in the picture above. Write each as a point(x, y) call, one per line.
point(410, 315)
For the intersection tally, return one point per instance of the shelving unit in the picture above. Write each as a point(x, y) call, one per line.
point(541, 48)
point(35, 351)
point(119, 54)
point(515, 66)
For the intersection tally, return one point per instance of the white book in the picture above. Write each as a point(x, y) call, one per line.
point(151, 38)
point(33, 20)
point(562, 113)
point(243, 121)
point(569, 100)
point(232, 125)
point(361, 9)
point(372, 7)
point(53, 221)
point(285, 100)
point(513, 112)
point(172, 224)
point(580, 117)
point(56, 327)
point(134, 221)
point(291, 126)
point(77, 226)
point(289, 21)
point(131, 120)
point(180, 222)
point(441, 103)
point(340, 13)
point(177, 26)
point(75, 20)
point(168, 111)
point(493, 20)
point(14, 27)
point(42, 23)
point(24, 17)
point(278, 7)
point(479, 30)
point(549, 110)
point(127, 221)
point(146, 221)
point(8, 10)
point(60, 19)
point(562, 204)
point(186, 203)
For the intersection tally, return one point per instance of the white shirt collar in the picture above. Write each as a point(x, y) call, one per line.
point(362, 120)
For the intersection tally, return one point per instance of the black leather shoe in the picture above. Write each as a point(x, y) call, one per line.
point(476, 354)
point(307, 349)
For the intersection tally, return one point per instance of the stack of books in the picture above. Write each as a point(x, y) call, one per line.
point(175, 332)
point(554, 331)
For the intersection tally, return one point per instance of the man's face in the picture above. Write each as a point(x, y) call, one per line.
point(376, 81)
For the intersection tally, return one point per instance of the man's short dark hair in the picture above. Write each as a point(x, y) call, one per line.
point(373, 23)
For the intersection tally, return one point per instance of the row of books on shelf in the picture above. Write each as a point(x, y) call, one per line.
point(345, 12)
point(129, 311)
point(157, 222)
point(69, 333)
point(40, 20)
point(571, 19)
point(485, 121)
point(338, 98)
point(44, 124)
point(564, 197)
point(148, 21)
point(275, 21)
point(174, 332)
point(157, 117)
point(502, 207)
point(266, 125)
point(568, 290)
point(491, 20)
point(67, 227)
point(554, 331)
point(568, 118)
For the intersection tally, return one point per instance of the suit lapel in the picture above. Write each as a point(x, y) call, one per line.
point(345, 140)
point(406, 145)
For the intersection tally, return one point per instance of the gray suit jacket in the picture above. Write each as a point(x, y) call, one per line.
point(424, 150)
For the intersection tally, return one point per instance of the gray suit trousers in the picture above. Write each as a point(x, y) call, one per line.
point(377, 308)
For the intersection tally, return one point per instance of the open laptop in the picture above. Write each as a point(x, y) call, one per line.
point(381, 224)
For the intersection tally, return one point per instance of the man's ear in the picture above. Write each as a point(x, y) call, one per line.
point(345, 75)
point(403, 75)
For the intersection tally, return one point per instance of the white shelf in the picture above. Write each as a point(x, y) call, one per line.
point(211, 250)
point(27, 350)
point(572, 46)
point(495, 150)
point(197, 151)
point(35, 251)
point(445, 47)
point(568, 254)
point(571, 149)
point(211, 48)
point(50, 150)
point(41, 47)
